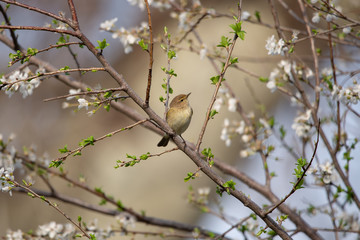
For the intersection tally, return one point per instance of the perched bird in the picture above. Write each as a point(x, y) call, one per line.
point(178, 117)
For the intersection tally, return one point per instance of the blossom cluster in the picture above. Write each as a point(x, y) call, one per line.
point(330, 15)
point(6, 178)
point(252, 142)
point(302, 124)
point(159, 4)
point(19, 81)
point(275, 47)
point(126, 37)
point(346, 95)
point(224, 96)
point(324, 173)
point(53, 230)
point(94, 100)
point(284, 73)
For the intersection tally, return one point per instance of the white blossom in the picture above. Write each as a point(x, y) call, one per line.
point(245, 15)
point(275, 47)
point(316, 17)
point(83, 103)
point(271, 84)
point(51, 229)
point(139, 3)
point(232, 104)
point(347, 30)
point(329, 17)
point(218, 103)
point(295, 35)
point(301, 125)
point(108, 24)
point(17, 82)
point(183, 21)
point(17, 235)
point(241, 128)
point(204, 191)
point(203, 52)
point(244, 153)
point(6, 177)
point(126, 219)
point(327, 172)
point(72, 92)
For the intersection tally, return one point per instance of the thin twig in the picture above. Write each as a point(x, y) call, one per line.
point(151, 57)
point(34, 194)
point(79, 149)
point(295, 187)
point(34, 28)
point(84, 93)
point(12, 32)
point(46, 74)
point(193, 26)
point(227, 64)
point(38, 10)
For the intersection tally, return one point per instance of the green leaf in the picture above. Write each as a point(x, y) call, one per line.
point(143, 45)
point(207, 153)
point(88, 141)
point(282, 132)
point(102, 44)
point(170, 72)
point(107, 107)
point(237, 30)
point(314, 31)
point(64, 68)
point(229, 185)
point(263, 79)
point(171, 54)
point(271, 122)
point(55, 163)
point(190, 175)
point(291, 50)
point(224, 42)
point(108, 94)
point(145, 156)
point(102, 202)
point(213, 113)
point(234, 60)
point(61, 40)
point(99, 190)
point(219, 190)
point(131, 156)
point(257, 15)
point(164, 86)
point(31, 195)
point(215, 79)
point(120, 205)
point(64, 150)
point(77, 153)
point(32, 51)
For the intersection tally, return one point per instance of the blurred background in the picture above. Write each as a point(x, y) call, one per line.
point(156, 185)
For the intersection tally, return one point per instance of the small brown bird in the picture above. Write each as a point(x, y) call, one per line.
point(178, 117)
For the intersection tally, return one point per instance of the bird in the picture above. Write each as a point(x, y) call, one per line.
point(178, 117)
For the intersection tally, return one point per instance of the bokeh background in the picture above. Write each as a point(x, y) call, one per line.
point(156, 185)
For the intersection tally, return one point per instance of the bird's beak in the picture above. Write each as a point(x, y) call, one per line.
point(188, 95)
